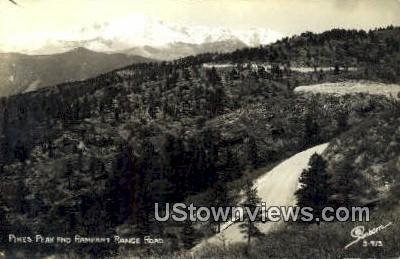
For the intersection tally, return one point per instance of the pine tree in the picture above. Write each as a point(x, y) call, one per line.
point(69, 172)
point(232, 167)
point(188, 235)
point(342, 122)
point(311, 131)
point(314, 191)
point(120, 191)
point(5, 228)
point(213, 76)
point(344, 184)
point(251, 207)
point(144, 202)
point(143, 218)
point(234, 74)
point(215, 99)
point(252, 152)
point(220, 196)
point(336, 71)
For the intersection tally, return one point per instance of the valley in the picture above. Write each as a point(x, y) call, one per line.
point(21, 73)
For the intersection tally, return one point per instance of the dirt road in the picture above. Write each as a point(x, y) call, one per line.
point(276, 188)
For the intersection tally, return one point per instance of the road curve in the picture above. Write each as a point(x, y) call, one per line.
point(276, 187)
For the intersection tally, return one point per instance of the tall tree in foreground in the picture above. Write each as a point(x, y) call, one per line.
point(252, 213)
point(252, 152)
point(4, 228)
point(188, 235)
point(314, 190)
point(220, 197)
point(346, 184)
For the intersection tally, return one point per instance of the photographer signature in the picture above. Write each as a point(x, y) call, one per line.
point(359, 233)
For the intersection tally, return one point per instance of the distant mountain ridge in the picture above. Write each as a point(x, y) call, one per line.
point(181, 49)
point(23, 73)
point(100, 48)
point(141, 32)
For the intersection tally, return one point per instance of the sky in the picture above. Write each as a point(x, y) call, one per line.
point(34, 22)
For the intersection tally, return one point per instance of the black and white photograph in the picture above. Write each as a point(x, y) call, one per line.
point(199, 129)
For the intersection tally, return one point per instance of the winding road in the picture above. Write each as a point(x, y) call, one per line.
point(276, 188)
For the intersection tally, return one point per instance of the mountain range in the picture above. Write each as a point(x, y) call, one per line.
point(176, 50)
point(23, 73)
point(95, 156)
point(135, 33)
point(103, 47)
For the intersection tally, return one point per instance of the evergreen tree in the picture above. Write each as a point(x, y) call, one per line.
point(5, 228)
point(213, 76)
point(92, 220)
point(336, 70)
point(21, 151)
point(143, 201)
point(220, 196)
point(143, 217)
point(342, 122)
point(188, 235)
point(234, 74)
point(311, 130)
point(252, 213)
point(232, 167)
point(119, 194)
point(69, 173)
point(252, 152)
point(314, 191)
point(345, 184)
point(276, 71)
point(215, 99)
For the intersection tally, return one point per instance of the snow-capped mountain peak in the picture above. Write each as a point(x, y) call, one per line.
point(134, 32)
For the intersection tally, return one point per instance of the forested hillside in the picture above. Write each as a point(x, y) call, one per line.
point(92, 157)
point(21, 73)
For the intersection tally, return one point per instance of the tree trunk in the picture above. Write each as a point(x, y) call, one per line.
point(248, 240)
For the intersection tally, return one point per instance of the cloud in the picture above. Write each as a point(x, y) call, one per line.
point(41, 20)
